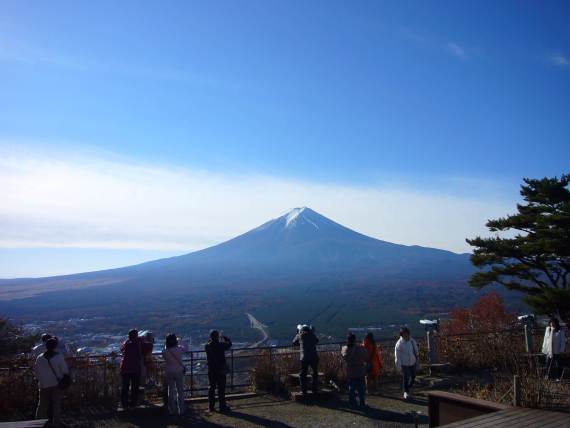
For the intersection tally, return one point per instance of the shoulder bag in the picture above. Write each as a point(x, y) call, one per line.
point(64, 382)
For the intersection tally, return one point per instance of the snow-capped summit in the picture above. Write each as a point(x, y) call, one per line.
point(301, 221)
point(299, 216)
point(292, 215)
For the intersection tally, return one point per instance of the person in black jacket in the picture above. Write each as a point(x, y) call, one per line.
point(217, 368)
point(307, 340)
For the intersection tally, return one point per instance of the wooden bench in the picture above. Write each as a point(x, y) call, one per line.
point(516, 417)
point(445, 408)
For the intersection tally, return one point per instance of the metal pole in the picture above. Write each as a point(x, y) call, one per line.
point(516, 391)
point(232, 370)
point(528, 338)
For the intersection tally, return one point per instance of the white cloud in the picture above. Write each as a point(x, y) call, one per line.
point(101, 202)
point(456, 50)
point(558, 58)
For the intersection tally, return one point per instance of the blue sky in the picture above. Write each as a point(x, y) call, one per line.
point(452, 101)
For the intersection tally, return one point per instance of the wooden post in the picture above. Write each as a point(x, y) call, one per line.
point(191, 373)
point(516, 391)
point(105, 380)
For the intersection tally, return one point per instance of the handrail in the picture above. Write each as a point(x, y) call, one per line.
point(114, 354)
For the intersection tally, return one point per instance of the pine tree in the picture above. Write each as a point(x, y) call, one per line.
point(535, 259)
point(13, 339)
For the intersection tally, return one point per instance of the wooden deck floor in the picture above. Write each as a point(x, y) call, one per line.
point(516, 417)
point(24, 424)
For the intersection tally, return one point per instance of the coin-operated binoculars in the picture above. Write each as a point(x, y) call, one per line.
point(431, 326)
point(528, 324)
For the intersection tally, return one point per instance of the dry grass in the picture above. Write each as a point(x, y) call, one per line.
point(503, 355)
point(271, 370)
point(535, 391)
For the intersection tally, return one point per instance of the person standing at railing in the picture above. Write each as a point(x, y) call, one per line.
point(406, 354)
point(50, 368)
point(175, 371)
point(131, 367)
point(355, 357)
point(147, 368)
point(307, 340)
point(553, 345)
point(374, 363)
point(41, 348)
point(217, 369)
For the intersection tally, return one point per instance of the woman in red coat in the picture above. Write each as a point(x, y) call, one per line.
point(374, 361)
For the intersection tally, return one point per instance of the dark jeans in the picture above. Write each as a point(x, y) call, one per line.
point(554, 367)
point(132, 380)
point(408, 377)
point(356, 384)
point(217, 379)
point(314, 365)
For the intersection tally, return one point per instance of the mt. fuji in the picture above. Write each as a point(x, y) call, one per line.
point(295, 267)
point(293, 248)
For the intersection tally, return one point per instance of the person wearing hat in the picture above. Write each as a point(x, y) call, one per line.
point(49, 368)
point(41, 348)
point(217, 368)
point(307, 341)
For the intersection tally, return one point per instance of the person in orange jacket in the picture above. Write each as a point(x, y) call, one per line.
point(374, 363)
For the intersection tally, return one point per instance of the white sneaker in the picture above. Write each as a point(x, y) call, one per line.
point(406, 395)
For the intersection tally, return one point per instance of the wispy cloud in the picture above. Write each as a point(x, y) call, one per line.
point(27, 55)
point(429, 41)
point(89, 202)
point(456, 50)
point(559, 59)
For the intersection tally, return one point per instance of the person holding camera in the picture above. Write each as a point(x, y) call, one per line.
point(217, 368)
point(406, 354)
point(307, 340)
point(175, 370)
point(131, 368)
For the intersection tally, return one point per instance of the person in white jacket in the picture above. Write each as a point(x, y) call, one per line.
point(174, 367)
point(406, 355)
point(49, 369)
point(553, 345)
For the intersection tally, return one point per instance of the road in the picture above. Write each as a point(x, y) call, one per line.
point(261, 327)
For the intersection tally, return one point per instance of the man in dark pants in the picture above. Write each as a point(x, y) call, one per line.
point(217, 369)
point(131, 369)
point(307, 340)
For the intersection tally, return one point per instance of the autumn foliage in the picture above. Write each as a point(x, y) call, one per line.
point(488, 314)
